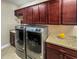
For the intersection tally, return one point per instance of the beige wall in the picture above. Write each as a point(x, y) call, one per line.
point(7, 21)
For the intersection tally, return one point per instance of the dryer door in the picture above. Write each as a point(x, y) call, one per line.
point(34, 41)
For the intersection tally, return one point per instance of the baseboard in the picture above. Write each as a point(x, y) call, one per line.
point(5, 46)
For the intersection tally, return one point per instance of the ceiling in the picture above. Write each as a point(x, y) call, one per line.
point(19, 2)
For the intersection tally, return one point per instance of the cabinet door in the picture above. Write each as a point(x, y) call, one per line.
point(24, 16)
point(17, 12)
point(69, 12)
point(43, 13)
point(20, 13)
point(53, 54)
point(29, 18)
point(69, 57)
point(35, 14)
point(54, 12)
point(12, 39)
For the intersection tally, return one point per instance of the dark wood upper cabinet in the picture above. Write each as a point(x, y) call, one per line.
point(35, 15)
point(19, 12)
point(24, 16)
point(54, 12)
point(29, 17)
point(43, 13)
point(50, 12)
point(69, 12)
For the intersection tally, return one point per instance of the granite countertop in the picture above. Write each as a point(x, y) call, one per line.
point(68, 41)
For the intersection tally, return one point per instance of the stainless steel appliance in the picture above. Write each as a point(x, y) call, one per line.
point(20, 40)
point(35, 38)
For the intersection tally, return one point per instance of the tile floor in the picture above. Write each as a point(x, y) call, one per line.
point(9, 53)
